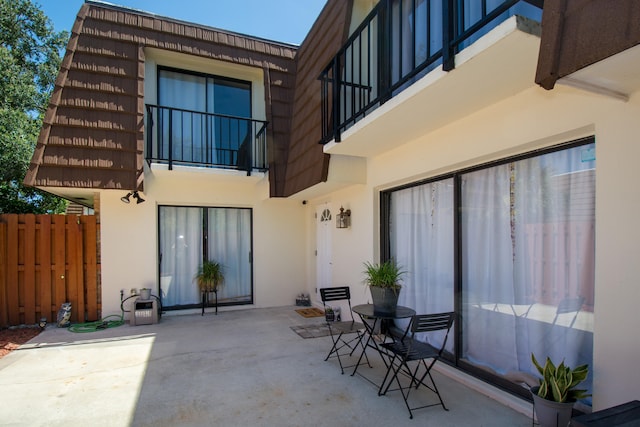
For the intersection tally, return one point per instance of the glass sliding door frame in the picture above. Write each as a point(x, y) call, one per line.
point(206, 117)
point(229, 242)
point(458, 231)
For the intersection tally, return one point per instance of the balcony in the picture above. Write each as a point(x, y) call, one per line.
point(398, 43)
point(192, 138)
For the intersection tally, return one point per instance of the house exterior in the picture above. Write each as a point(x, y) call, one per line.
point(486, 148)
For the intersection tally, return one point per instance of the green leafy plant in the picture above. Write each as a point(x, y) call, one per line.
point(210, 276)
point(29, 62)
point(386, 274)
point(558, 383)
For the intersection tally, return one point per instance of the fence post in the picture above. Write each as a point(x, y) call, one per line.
point(59, 261)
point(71, 271)
point(29, 269)
point(90, 247)
point(13, 300)
point(46, 309)
point(4, 307)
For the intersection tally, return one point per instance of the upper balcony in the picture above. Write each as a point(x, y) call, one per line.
point(399, 43)
point(182, 137)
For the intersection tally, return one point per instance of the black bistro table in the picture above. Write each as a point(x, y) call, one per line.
point(367, 313)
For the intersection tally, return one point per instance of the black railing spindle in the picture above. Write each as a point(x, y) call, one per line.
point(384, 30)
point(170, 145)
point(194, 138)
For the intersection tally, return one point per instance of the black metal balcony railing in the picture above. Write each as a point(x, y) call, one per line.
point(398, 42)
point(182, 137)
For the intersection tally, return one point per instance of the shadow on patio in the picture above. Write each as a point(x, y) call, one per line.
point(245, 368)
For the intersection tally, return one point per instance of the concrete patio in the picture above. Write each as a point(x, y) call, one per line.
point(239, 368)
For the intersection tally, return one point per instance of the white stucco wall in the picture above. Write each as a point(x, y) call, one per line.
point(533, 119)
point(130, 238)
point(350, 247)
point(285, 230)
point(129, 232)
point(616, 340)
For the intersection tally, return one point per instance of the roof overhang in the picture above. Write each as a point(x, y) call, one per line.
point(81, 196)
point(344, 171)
point(616, 76)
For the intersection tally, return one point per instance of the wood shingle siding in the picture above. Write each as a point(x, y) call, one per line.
point(307, 165)
point(568, 42)
point(93, 131)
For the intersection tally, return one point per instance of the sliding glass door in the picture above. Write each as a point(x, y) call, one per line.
point(421, 241)
point(511, 247)
point(189, 235)
point(527, 258)
point(203, 118)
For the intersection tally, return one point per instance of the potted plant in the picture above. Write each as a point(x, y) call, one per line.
point(383, 280)
point(210, 278)
point(554, 398)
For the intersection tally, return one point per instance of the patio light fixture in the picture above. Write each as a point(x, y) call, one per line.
point(343, 219)
point(126, 199)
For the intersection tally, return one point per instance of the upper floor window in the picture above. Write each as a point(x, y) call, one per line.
point(204, 120)
point(204, 93)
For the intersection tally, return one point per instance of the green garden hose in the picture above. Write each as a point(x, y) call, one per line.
point(98, 325)
point(106, 323)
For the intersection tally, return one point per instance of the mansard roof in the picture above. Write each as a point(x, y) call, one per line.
point(92, 135)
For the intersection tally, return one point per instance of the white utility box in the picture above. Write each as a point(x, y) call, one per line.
point(145, 312)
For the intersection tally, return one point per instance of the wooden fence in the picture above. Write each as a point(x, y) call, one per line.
point(46, 260)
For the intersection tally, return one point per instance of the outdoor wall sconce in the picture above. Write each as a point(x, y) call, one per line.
point(343, 219)
point(125, 199)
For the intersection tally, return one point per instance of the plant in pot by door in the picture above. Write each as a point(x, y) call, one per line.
point(210, 278)
point(383, 280)
point(554, 398)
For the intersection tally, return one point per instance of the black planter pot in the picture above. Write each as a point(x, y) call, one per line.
point(385, 300)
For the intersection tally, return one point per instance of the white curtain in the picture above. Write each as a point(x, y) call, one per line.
point(411, 22)
point(181, 252)
point(487, 268)
point(408, 25)
point(528, 231)
point(182, 233)
point(421, 237)
point(188, 130)
point(230, 244)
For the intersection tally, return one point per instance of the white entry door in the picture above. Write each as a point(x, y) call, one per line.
point(324, 220)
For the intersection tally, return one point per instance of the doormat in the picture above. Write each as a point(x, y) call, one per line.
point(310, 312)
point(311, 331)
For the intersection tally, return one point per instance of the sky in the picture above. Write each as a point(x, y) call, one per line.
point(286, 21)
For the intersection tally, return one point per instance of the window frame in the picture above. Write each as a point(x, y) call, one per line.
point(455, 360)
point(206, 76)
point(204, 236)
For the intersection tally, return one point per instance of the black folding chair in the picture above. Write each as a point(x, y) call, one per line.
point(339, 329)
point(409, 349)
